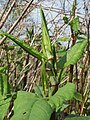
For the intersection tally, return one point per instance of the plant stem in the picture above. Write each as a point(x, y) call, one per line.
point(73, 38)
point(8, 68)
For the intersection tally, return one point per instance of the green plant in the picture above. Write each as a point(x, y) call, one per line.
point(41, 107)
point(36, 107)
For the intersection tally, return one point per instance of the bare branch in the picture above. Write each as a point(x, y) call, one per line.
point(17, 21)
point(6, 5)
point(6, 16)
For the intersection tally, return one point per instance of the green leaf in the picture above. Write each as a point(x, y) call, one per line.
point(38, 91)
point(10, 48)
point(20, 65)
point(73, 55)
point(75, 24)
point(60, 64)
point(41, 111)
point(3, 68)
point(4, 85)
point(62, 95)
point(88, 67)
point(61, 52)
point(46, 43)
point(64, 106)
point(66, 20)
point(78, 118)
point(63, 39)
point(29, 107)
point(25, 46)
point(76, 52)
point(30, 33)
point(4, 104)
point(78, 96)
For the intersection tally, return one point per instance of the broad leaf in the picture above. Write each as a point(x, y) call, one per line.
point(73, 55)
point(25, 46)
point(29, 107)
point(63, 94)
point(40, 111)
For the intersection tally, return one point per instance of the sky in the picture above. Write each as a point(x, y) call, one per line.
point(54, 5)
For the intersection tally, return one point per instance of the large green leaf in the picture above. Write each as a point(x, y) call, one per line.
point(25, 46)
point(78, 118)
point(62, 95)
point(46, 43)
point(29, 107)
point(73, 55)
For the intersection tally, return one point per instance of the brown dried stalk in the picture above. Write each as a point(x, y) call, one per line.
point(84, 97)
point(17, 21)
point(82, 72)
point(87, 61)
point(7, 14)
point(5, 7)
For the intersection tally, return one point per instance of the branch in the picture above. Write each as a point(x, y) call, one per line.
point(17, 21)
point(7, 14)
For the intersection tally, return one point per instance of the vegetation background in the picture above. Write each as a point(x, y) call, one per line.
point(44, 60)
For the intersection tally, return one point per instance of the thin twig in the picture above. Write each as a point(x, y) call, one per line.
point(8, 13)
point(17, 21)
point(6, 5)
